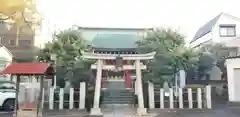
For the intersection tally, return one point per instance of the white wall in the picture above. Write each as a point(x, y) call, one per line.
point(5, 54)
point(233, 66)
point(215, 36)
point(203, 39)
point(5, 58)
point(229, 41)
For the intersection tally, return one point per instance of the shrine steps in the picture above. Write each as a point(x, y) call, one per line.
point(117, 96)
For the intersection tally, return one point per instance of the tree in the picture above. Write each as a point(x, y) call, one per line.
point(213, 54)
point(171, 54)
point(20, 14)
point(68, 46)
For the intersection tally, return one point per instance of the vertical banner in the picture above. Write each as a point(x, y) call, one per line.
point(127, 79)
point(182, 78)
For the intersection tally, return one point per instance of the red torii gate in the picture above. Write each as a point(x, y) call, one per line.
point(23, 69)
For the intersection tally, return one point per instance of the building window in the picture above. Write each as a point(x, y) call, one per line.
point(227, 30)
point(11, 42)
point(24, 42)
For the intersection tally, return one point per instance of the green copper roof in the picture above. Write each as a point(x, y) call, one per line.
point(115, 41)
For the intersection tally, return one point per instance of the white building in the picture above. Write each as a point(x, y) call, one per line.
point(223, 28)
point(5, 59)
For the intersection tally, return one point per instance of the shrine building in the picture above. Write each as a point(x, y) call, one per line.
point(118, 67)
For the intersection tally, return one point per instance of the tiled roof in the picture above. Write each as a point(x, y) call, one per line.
point(206, 28)
point(115, 41)
point(26, 68)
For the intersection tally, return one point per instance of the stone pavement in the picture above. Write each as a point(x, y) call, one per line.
point(117, 111)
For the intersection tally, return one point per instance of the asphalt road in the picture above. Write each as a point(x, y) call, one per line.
point(221, 111)
point(6, 114)
point(54, 113)
point(227, 112)
point(233, 112)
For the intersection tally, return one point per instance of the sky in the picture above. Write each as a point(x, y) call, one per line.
point(185, 15)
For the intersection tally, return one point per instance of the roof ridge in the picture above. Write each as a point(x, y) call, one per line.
point(115, 28)
point(231, 15)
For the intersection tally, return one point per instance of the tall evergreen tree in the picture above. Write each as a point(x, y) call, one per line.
point(68, 46)
point(171, 54)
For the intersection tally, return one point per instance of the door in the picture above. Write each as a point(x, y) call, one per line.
point(236, 84)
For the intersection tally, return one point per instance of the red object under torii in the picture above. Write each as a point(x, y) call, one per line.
point(127, 79)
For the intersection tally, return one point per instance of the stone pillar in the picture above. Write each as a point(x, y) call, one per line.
point(96, 110)
point(141, 110)
point(182, 78)
point(55, 81)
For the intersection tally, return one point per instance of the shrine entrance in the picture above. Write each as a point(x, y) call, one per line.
point(117, 80)
point(116, 85)
point(119, 89)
